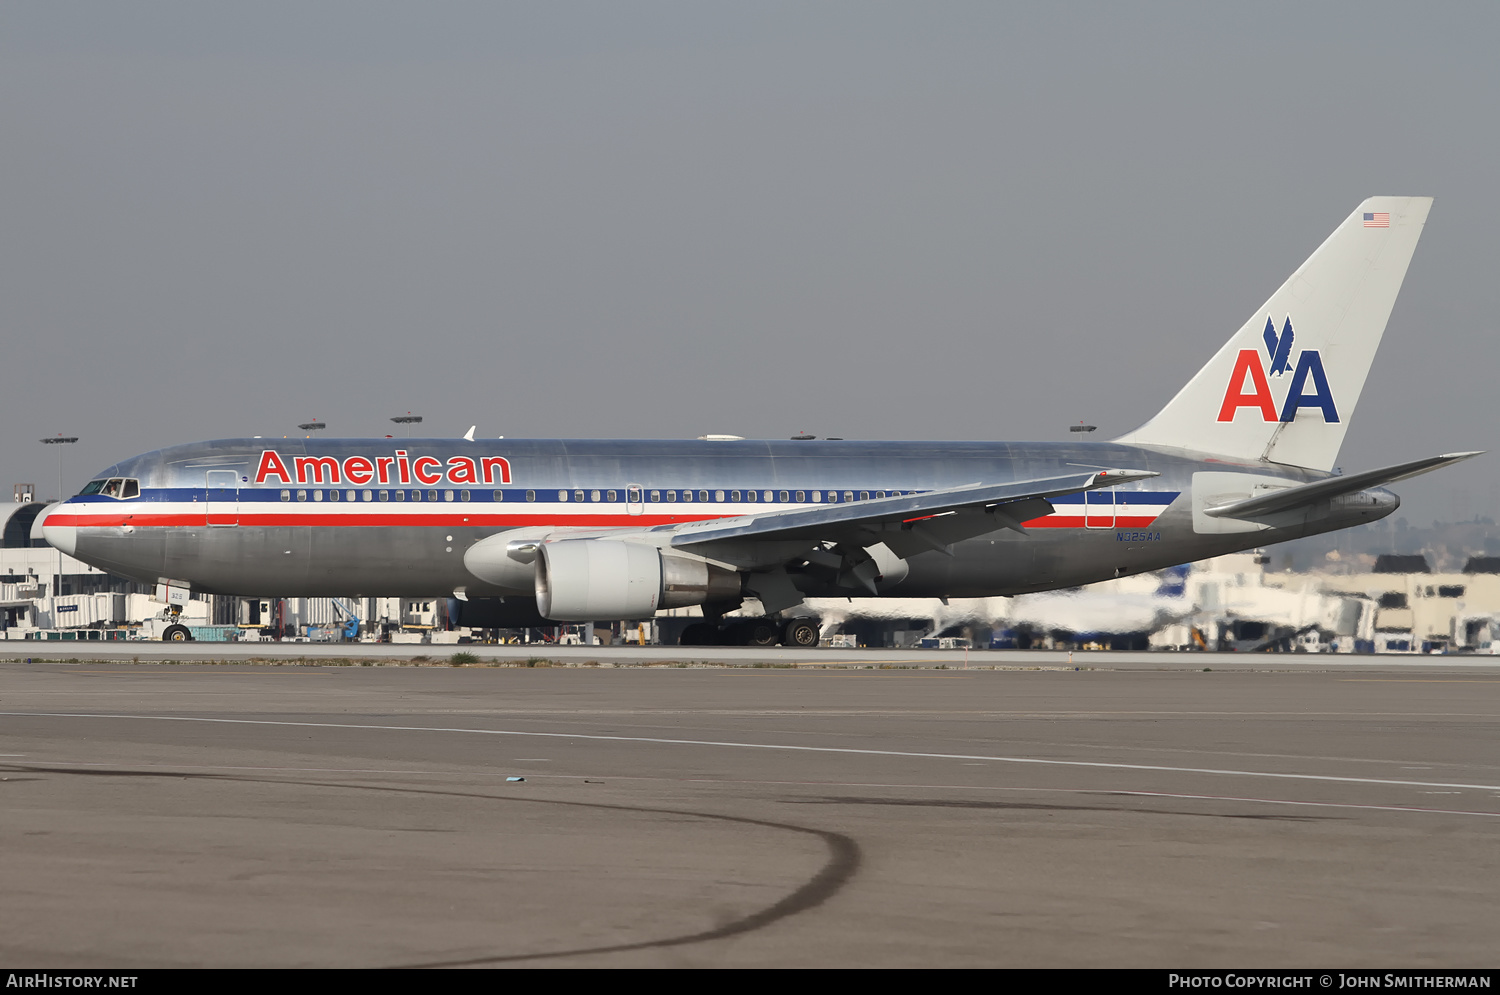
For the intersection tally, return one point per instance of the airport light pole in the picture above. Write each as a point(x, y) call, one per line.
point(59, 440)
point(408, 420)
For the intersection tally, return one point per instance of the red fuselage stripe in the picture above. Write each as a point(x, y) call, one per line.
point(480, 520)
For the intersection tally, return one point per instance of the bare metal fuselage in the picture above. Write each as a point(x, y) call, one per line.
point(209, 515)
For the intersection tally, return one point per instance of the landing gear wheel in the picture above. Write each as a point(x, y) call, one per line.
point(800, 632)
point(749, 632)
point(760, 632)
point(177, 634)
point(699, 634)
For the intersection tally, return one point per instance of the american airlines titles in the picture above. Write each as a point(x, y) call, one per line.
point(399, 470)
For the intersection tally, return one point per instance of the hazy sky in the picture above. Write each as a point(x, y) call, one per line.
point(914, 221)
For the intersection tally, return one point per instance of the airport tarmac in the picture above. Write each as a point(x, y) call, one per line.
point(361, 654)
point(349, 816)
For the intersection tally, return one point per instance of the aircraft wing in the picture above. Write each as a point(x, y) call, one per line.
point(1288, 498)
point(907, 524)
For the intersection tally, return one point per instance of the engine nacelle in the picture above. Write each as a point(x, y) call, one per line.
point(507, 560)
point(592, 580)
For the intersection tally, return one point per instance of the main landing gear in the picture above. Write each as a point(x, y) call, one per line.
point(801, 633)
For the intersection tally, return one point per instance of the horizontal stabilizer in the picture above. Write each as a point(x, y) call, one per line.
point(1288, 498)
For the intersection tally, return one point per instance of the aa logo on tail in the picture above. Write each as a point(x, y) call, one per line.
point(1250, 386)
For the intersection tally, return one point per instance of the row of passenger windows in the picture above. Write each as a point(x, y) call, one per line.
point(368, 495)
point(634, 495)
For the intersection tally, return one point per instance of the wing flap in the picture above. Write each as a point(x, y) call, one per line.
point(932, 519)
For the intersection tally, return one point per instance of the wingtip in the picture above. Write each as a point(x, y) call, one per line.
point(1127, 475)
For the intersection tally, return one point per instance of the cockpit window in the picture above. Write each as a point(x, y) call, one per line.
point(115, 487)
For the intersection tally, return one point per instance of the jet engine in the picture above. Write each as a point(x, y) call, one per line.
point(589, 580)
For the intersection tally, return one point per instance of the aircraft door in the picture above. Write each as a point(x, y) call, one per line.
point(634, 499)
point(1099, 509)
point(223, 497)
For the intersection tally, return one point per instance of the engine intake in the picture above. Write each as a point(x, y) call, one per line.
point(592, 580)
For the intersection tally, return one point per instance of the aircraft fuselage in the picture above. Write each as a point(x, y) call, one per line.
point(389, 517)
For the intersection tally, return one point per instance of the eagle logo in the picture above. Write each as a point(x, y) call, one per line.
point(1279, 348)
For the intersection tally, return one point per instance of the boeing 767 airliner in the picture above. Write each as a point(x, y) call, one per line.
point(567, 530)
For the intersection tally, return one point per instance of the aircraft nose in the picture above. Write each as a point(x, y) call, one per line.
point(55, 526)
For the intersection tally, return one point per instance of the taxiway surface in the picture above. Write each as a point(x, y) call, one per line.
point(352, 816)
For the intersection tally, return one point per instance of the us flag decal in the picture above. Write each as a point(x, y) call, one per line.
point(1379, 219)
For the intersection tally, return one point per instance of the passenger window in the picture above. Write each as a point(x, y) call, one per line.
point(633, 495)
point(864, 495)
point(817, 497)
point(367, 495)
point(767, 495)
point(499, 495)
point(333, 495)
point(880, 494)
point(801, 496)
point(785, 496)
point(463, 495)
point(350, 495)
point(385, 495)
point(611, 496)
point(750, 496)
point(656, 495)
point(531, 495)
point(671, 496)
point(131, 488)
point(734, 495)
point(562, 495)
point(447, 495)
point(848, 495)
point(301, 495)
point(317, 495)
point(687, 495)
point(432, 495)
point(594, 496)
point(286, 495)
point(578, 496)
point(399, 495)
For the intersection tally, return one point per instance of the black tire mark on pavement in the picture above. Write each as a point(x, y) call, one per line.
point(843, 858)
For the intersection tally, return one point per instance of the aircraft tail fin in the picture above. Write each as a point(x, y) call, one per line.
point(1283, 388)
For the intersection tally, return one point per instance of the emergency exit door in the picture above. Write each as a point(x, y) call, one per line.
point(223, 497)
point(1099, 509)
